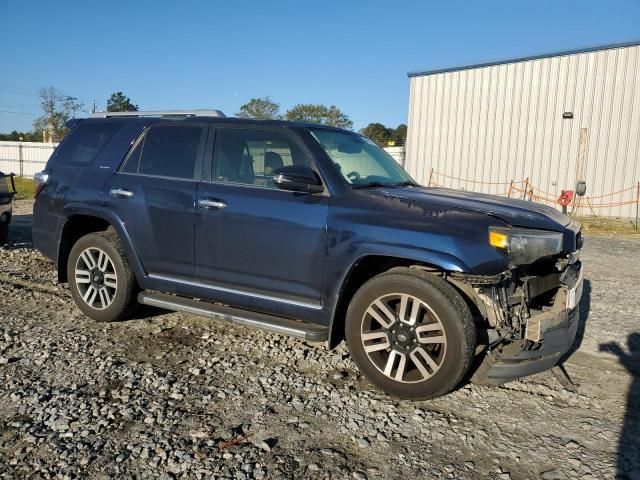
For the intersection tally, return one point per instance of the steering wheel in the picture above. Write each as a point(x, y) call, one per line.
point(353, 175)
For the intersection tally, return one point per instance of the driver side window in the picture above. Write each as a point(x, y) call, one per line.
point(251, 156)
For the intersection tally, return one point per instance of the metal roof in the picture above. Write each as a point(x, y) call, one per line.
point(523, 59)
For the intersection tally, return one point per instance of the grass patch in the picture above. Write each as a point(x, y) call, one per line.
point(25, 187)
point(624, 226)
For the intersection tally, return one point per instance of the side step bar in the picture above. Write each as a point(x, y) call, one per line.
point(284, 326)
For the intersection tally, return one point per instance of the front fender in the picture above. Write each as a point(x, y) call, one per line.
point(338, 273)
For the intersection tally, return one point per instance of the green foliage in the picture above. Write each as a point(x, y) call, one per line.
point(58, 108)
point(16, 136)
point(119, 102)
point(400, 134)
point(25, 187)
point(384, 136)
point(378, 133)
point(316, 113)
point(260, 109)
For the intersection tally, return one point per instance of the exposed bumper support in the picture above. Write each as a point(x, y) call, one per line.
point(512, 361)
point(548, 334)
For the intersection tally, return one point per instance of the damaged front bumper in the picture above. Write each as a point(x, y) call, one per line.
point(532, 315)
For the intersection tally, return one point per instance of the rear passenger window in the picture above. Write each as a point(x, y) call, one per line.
point(167, 151)
point(85, 142)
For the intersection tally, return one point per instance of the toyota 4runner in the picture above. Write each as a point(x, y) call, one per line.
point(310, 231)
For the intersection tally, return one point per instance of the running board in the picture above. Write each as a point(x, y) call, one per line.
point(284, 326)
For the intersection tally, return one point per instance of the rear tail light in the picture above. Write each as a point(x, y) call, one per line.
point(41, 179)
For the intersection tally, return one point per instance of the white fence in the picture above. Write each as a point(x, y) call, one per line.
point(24, 158)
point(397, 153)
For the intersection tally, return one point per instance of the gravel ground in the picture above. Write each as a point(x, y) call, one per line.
point(175, 396)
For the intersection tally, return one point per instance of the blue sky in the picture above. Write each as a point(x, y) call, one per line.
point(219, 54)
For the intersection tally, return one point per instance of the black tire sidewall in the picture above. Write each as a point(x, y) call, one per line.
point(126, 285)
point(456, 322)
point(4, 233)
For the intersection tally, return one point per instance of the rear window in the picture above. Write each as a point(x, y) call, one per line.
point(85, 142)
point(167, 151)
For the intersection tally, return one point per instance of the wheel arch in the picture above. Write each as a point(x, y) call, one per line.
point(81, 221)
point(369, 266)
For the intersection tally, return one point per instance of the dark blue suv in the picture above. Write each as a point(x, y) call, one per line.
point(309, 231)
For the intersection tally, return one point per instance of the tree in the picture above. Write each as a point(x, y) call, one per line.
point(400, 134)
point(260, 109)
point(16, 136)
point(384, 136)
point(58, 108)
point(119, 102)
point(378, 133)
point(316, 113)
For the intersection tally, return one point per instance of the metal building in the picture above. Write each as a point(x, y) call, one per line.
point(542, 122)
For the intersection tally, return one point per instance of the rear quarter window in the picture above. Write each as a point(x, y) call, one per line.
point(85, 142)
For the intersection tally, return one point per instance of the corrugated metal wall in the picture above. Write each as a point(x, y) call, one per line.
point(505, 122)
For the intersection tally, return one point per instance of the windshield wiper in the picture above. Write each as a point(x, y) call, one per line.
point(372, 185)
point(404, 184)
point(383, 185)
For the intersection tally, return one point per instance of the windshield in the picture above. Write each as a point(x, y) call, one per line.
point(360, 161)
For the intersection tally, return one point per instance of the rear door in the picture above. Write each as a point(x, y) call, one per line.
point(153, 193)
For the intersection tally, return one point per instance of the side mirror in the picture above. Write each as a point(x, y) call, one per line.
point(297, 178)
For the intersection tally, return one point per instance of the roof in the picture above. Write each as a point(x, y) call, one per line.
point(188, 117)
point(523, 59)
point(161, 113)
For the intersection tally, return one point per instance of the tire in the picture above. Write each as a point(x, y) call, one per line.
point(437, 341)
point(4, 233)
point(97, 261)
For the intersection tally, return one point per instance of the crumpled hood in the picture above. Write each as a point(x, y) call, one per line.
point(517, 213)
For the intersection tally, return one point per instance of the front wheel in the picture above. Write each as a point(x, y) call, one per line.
point(100, 279)
point(410, 333)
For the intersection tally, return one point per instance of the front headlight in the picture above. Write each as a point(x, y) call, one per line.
point(525, 246)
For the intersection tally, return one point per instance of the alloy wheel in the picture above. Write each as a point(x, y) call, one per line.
point(95, 277)
point(403, 337)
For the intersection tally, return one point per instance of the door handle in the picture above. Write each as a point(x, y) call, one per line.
point(120, 193)
point(209, 204)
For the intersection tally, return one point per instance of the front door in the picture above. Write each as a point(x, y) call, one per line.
point(153, 193)
point(258, 246)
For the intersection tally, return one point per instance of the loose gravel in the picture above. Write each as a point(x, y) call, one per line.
point(169, 395)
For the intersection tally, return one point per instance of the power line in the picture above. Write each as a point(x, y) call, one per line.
point(12, 92)
point(19, 105)
point(20, 113)
point(27, 91)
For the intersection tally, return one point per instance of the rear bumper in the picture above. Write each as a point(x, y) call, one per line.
point(6, 207)
point(512, 361)
point(46, 230)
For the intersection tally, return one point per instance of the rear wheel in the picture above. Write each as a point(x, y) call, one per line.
point(4, 232)
point(410, 333)
point(100, 279)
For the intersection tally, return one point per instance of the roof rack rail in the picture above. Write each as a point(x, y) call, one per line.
point(162, 113)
